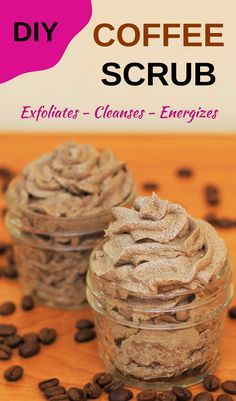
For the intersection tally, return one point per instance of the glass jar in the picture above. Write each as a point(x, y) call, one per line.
point(163, 340)
point(52, 254)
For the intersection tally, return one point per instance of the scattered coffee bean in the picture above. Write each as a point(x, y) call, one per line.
point(10, 272)
point(204, 396)
point(48, 383)
point(182, 394)
point(113, 385)
point(184, 172)
point(232, 312)
point(3, 212)
point(150, 186)
point(47, 336)
point(103, 379)
point(212, 195)
point(93, 390)
point(30, 337)
point(6, 173)
point(2, 339)
point(59, 397)
point(229, 386)
point(27, 303)
point(84, 324)
point(13, 341)
point(147, 395)
point(211, 218)
point(224, 397)
point(76, 394)
point(52, 391)
point(7, 330)
point(3, 248)
point(10, 256)
point(5, 352)
point(7, 308)
point(14, 373)
point(166, 396)
point(225, 222)
point(29, 349)
point(211, 383)
point(122, 394)
point(85, 335)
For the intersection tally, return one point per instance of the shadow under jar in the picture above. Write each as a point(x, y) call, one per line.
point(52, 254)
point(163, 340)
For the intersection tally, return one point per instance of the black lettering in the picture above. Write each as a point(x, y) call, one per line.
point(160, 74)
point(208, 73)
point(127, 74)
point(106, 70)
point(174, 74)
point(17, 36)
point(48, 30)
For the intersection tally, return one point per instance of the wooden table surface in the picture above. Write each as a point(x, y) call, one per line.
point(151, 158)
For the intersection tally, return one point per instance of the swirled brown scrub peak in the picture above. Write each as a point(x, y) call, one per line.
point(58, 209)
point(159, 285)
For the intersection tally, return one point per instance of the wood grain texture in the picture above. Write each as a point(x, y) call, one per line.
point(151, 158)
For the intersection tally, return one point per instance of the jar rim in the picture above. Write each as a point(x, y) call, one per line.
point(10, 199)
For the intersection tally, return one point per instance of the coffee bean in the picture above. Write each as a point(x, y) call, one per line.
point(85, 335)
point(13, 341)
point(211, 189)
point(10, 272)
point(59, 397)
point(204, 396)
point(93, 390)
point(213, 200)
point(48, 383)
point(7, 330)
point(6, 173)
point(27, 303)
point(147, 395)
point(103, 379)
point(3, 248)
point(30, 337)
point(76, 394)
point(10, 256)
point(232, 312)
point(212, 195)
point(166, 396)
point(7, 308)
point(14, 373)
point(29, 349)
point(5, 352)
point(113, 385)
point(211, 219)
point(184, 172)
point(3, 212)
point(47, 336)
point(150, 186)
point(229, 386)
point(224, 397)
point(122, 394)
point(51, 391)
point(225, 223)
point(211, 383)
point(182, 394)
point(2, 339)
point(84, 324)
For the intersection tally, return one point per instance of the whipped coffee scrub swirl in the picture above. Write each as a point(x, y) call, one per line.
point(58, 209)
point(159, 286)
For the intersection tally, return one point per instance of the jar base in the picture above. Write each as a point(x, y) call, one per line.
point(167, 384)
